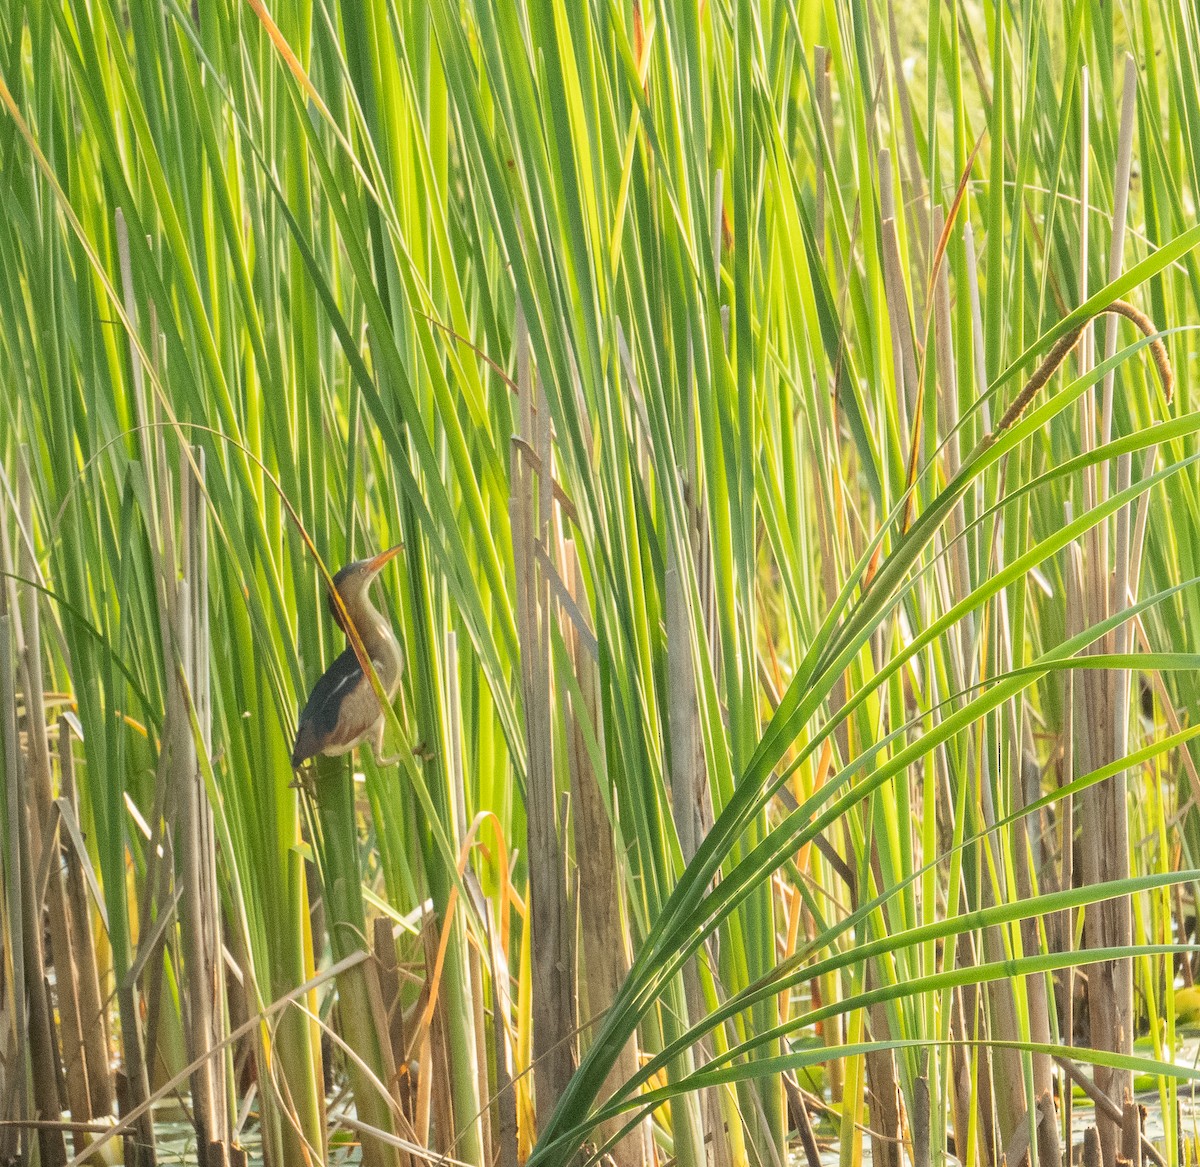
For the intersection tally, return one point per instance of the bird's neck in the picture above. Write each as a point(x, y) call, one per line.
point(380, 643)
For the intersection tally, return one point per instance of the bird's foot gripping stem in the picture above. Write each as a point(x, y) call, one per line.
point(304, 779)
point(420, 751)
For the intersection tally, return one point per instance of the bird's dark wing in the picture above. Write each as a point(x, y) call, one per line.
point(319, 719)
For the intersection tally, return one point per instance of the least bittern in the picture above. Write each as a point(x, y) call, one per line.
point(343, 709)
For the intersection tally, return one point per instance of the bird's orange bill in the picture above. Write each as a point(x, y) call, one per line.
point(384, 557)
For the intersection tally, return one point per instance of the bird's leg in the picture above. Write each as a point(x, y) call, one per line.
point(377, 745)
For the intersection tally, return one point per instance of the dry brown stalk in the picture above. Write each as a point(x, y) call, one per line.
point(604, 937)
point(1066, 342)
point(552, 929)
point(92, 1012)
point(26, 774)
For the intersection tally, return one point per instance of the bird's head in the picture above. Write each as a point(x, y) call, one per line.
point(355, 578)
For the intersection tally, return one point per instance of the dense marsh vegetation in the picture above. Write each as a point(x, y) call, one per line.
point(795, 734)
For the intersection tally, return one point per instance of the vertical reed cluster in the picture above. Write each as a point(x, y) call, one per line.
point(783, 549)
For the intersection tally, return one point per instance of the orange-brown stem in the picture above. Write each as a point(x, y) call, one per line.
point(1066, 343)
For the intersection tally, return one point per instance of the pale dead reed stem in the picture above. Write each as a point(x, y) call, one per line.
point(31, 776)
point(93, 1014)
point(904, 364)
point(1086, 351)
point(553, 958)
point(947, 381)
point(912, 185)
point(1117, 244)
point(15, 948)
point(821, 62)
point(45, 817)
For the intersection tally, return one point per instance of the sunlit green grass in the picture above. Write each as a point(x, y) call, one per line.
point(390, 266)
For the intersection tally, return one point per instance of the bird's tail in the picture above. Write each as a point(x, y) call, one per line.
point(306, 747)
